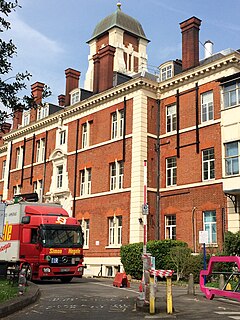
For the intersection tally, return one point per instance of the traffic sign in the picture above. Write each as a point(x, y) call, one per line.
point(145, 209)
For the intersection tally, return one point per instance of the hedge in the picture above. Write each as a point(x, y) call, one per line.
point(131, 255)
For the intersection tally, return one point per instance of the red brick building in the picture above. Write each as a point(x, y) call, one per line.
point(88, 151)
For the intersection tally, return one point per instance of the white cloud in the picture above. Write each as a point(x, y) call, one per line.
point(36, 53)
point(31, 40)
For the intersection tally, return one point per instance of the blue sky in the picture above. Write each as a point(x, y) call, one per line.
point(51, 35)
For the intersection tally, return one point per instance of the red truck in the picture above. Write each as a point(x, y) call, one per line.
point(41, 238)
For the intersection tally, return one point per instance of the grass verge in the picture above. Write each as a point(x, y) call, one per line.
point(7, 291)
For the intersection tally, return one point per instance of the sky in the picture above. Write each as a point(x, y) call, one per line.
point(51, 35)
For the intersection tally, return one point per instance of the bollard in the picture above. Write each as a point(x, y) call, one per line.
point(191, 289)
point(169, 295)
point(221, 281)
point(152, 295)
point(22, 282)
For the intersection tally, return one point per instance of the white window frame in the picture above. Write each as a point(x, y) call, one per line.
point(116, 175)
point(86, 232)
point(75, 97)
point(85, 181)
point(42, 112)
point(231, 94)
point(166, 72)
point(171, 118)
point(117, 124)
point(207, 106)
point(170, 227)
point(85, 134)
point(38, 188)
point(26, 118)
point(115, 231)
point(232, 159)
point(208, 164)
point(171, 171)
point(4, 168)
point(40, 150)
point(16, 190)
point(19, 157)
point(59, 176)
point(62, 137)
point(210, 226)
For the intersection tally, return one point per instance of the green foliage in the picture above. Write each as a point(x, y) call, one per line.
point(232, 243)
point(180, 256)
point(161, 251)
point(131, 255)
point(194, 265)
point(7, 291)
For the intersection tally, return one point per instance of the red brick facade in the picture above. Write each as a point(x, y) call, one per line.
point(132, 109)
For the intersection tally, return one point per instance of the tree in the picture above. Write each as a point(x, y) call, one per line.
point(11, 86)
point(180, 257)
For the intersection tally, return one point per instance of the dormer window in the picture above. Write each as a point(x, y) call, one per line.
point(75, 97)
point(166, 72)
point(42, 112)
point(26, 118)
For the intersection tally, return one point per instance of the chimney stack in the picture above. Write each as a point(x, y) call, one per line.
point(17, 119)
point(208, 49)
point(190, 42)
point(61, 100)
point(72, 82)
point(37, 91)
point(103, 69)
point(5, 128)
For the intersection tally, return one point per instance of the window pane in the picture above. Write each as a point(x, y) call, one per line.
point(232, 149)
point(233, 98)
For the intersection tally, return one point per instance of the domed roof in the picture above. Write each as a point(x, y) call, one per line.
point(120, 20)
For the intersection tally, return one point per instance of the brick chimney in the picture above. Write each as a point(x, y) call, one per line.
point(17, 119)
point(190, 42)
point(61, 100)
point(5, 128)
point(72, 82)
point(37, 91)
point(103, 69)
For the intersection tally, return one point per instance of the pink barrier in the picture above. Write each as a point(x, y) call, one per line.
point(211, 292)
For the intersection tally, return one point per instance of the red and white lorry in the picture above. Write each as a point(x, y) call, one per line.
point(42, 239)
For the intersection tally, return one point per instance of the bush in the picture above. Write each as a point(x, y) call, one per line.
point(131, 255)
point(232, 243)
point(194, 266)
point(131, 258)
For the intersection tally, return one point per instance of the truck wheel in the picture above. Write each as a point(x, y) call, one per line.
point(66, 279)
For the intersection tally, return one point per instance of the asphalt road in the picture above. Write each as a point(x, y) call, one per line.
point(98, 299)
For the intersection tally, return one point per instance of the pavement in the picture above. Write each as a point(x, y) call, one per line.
point(181, 301)
point(30, 296)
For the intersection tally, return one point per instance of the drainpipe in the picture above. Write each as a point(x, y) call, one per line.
point(75, 170)
point(157, 227)
point(124, 130)
point(45, 166)
point(194, 229)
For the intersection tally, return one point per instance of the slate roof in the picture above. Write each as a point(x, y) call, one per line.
point(121, 20)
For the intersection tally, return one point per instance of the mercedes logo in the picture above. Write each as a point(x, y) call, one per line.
point(64, 259)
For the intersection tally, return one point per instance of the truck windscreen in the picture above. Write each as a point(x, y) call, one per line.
point(61, 236)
